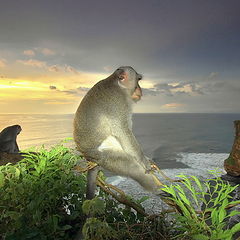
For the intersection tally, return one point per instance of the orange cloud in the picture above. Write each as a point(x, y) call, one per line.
point(172, 105)
point(29, 52)
point(47, 91)
point(2, 63)
point(48, 52)
point(54, 68)
point(58, 102)
point(71, 70)
point(33, 63)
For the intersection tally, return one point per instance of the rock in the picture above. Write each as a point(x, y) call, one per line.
point(232, 163)
point(10, 158)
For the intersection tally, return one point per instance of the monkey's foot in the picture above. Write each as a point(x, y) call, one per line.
point(79, 169)
point(91, 165)
point(86, 167)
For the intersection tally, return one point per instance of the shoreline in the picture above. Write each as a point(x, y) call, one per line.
point(200, 169)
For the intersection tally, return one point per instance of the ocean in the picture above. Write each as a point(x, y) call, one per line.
point(172, 140)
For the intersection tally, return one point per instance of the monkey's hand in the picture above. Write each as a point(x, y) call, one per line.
point(152, 168)
point(150, 165)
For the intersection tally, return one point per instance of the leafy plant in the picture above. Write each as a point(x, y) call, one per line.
point(202, 208)
point(110, 220)
point(96, 228)
point(41, 197)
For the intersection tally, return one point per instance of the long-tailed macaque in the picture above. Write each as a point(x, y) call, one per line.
point(8, 139)
point(103, 129)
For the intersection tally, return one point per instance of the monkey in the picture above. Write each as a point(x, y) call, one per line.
point(103, 130)
point(8, 139)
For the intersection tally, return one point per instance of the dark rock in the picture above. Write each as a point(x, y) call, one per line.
point(230, 178)
point(10, 158)
point(232, 163)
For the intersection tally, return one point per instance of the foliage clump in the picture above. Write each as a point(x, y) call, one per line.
point(41, 198)
point(202, 208)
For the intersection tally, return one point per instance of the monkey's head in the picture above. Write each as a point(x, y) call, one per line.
point(19, 129)
point(128, 79)
point(16, 128)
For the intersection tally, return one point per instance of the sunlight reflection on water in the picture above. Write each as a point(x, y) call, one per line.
point(40, 128)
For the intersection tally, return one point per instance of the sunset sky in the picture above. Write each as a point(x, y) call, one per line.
point(52, 52)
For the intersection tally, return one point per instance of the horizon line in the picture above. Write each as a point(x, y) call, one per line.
point(133, 113)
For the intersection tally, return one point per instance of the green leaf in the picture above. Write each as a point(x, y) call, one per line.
point(184, 198)
point(200, 237)
point(222, 214)
point(197, 182)
point(214, 216)
point(2, 179)
point(17, 173)
point(233, 213)
point(66, 227)
point(93, 206)
point(234, 202)
point(235, 228)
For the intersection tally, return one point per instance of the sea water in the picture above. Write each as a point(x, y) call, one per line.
point(172, 140)
point(190, 144)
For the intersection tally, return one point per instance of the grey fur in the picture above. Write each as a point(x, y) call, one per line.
point(106, 110)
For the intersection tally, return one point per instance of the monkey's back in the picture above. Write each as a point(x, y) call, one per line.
point(105, 104)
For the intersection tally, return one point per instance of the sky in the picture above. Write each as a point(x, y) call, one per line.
point(52, 52)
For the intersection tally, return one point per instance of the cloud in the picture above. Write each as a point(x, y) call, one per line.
point(213, 75)
point(167, 88)
point(52, 87)
point(84, 89)
point(172, 105)
point(108, 69)
point(184, 88)
point(150, 91)
point(42, 64)
point(29, 52)
point(33, 63)
point(66, 68)
point(54, 102)
point(71, 70)
point(47, 52)
point(44, 51)
point(2, 63)
point(76, 92)
point(54, 68)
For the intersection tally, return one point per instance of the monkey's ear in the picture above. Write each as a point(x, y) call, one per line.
point(123, 78)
